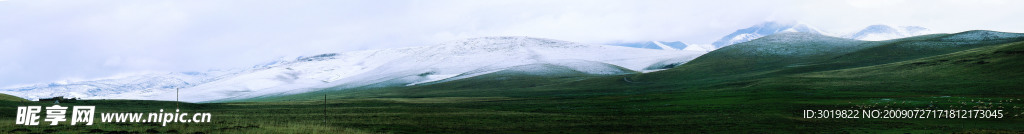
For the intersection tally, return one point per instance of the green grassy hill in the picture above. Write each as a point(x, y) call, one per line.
point(910, 48)
point(762, 55)
point(5, 97)
point(994, 70)
point(807, 53)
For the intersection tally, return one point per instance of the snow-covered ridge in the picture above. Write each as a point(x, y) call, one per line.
point(131, 87)
point(870, 33)
point(764, 29)
point(795, 44)
point(476, 56)
point(369, 68)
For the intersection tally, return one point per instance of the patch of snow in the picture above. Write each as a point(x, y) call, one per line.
point(433, 78)
point(699, 47)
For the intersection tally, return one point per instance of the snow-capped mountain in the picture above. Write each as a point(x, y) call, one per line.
point(763, 29)
point(886, 32)
point(371, 68)
point(470, 57)
point(871, 33)
point(131, 87)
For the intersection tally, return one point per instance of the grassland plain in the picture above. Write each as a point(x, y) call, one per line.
point(703, 96)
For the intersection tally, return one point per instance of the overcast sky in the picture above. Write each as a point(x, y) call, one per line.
point(43, 41)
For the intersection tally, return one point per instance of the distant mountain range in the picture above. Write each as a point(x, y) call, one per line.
point(870, 33)
point(761, 30)
point(489, 56)
point(375, 68)
point(790, 66)
point(493, 80)
point(793, 52)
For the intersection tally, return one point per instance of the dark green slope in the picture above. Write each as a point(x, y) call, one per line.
point(913, 48)
point(807, 53)
point(995, 70)
point(760, 55)
point(6, 97)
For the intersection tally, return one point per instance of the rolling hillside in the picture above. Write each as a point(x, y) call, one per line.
point(790, 53)
point(5, 97)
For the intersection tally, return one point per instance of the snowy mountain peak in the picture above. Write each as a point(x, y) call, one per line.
point(886, 32)
point(761, 30)
point(663, 46)
point(870, 33)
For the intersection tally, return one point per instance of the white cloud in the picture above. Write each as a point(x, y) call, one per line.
point(49, 40)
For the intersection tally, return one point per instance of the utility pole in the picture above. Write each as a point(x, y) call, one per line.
point(176, 101)
point(325, 107)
